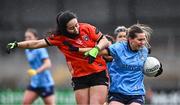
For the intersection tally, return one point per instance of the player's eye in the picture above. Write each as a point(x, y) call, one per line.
point(73, 27)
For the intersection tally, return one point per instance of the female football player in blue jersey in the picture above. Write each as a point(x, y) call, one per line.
point(126, 76)
point(41, 82)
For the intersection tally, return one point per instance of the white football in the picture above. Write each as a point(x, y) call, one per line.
point(151, 66)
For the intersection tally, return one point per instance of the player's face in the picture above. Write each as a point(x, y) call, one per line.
point(73, 26)
point(138, 42)
point(121, 37)
point(30, 36)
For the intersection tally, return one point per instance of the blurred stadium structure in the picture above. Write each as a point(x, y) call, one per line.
point(162, 15)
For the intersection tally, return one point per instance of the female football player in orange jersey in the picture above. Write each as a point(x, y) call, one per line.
point(89, 77)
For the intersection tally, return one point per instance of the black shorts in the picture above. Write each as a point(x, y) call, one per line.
point(99, 78)
point(42, 91)
point(126, 99)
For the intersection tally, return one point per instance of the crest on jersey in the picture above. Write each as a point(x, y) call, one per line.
point(86, 37)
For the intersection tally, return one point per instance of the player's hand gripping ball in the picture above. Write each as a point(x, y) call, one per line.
point(31, 72)
point(152, 67)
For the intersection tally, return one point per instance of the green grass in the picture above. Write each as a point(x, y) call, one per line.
point(14, 97)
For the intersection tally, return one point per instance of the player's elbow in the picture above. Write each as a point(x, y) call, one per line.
point(47, 63)
point(50, 64)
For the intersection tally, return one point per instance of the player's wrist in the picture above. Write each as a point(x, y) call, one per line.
point(16, 44)
point(38, 71)
point(97, 48)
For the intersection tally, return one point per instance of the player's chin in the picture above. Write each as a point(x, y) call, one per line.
point(76, 33)
point(139, 47)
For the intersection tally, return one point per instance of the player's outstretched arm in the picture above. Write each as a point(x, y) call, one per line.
point(31, 44)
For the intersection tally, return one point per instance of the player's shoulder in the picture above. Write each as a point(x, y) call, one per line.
point(86, 25)
point(120, 44)
point(53, 36)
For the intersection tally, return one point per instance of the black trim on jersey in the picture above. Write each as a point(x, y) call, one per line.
point(100, 38)
point(47, 42)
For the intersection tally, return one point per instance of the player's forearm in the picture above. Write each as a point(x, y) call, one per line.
point(103, 43)
point(27, 44)
point(82, 50)
point(32, 44)
point(46, 65)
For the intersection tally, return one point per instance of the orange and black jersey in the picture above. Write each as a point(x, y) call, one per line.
point(76, 61)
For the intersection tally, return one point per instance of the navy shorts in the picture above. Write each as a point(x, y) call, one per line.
point(99, 78)
point(126, 99)
point(42, 91)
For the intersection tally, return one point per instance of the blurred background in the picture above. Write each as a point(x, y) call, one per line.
point(163, 16)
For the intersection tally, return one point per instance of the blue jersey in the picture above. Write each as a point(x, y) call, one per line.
point(126, 70)
point(108, 64)
point(35, 58)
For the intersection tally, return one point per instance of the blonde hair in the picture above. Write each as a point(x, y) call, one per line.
point(148, 32)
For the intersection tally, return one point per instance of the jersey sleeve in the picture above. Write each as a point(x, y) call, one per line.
point(43, 53)
point(95, 34)
point(53, 40)
point(112, 49)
